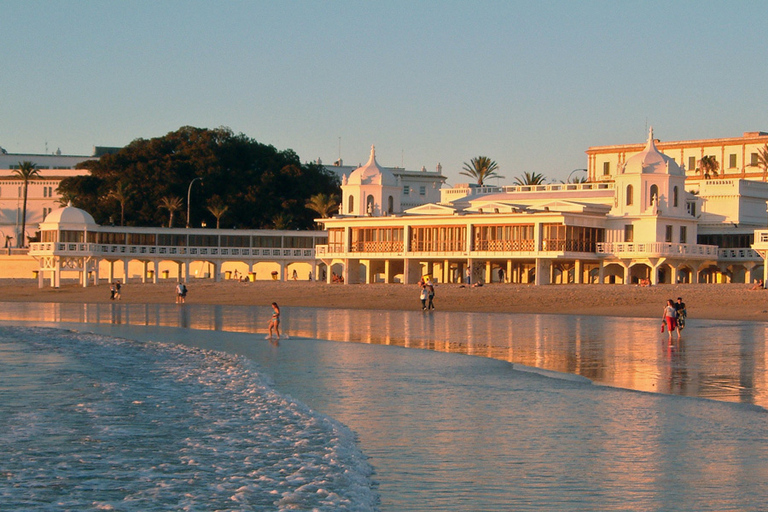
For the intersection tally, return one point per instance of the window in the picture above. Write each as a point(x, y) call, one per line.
point(668, 234)
point(390, 205)
point(683, 234)
point(753, 159)
point(654, 194)
point(606, 168)
point(350, 204)
point(691, 163)
point(629, 233)
point(629, 195)
point(406, 190)
point(369, 205)
point(422, 190)
point(674, 197)
point(691, 208)
point(731, 161)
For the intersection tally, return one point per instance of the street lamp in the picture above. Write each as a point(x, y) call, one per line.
point(568, 179)
point(189, 195)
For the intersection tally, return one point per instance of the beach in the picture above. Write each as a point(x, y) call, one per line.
point(705, 301)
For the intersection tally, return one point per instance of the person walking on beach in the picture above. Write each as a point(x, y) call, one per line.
point(431, 295)
point(669, 319)
point(181, 293)
point(117, 290)
point(274, 322)
point(112, 291)
point(682, 314)
point(423, 295)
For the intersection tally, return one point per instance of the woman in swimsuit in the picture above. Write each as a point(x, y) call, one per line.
point(274, 322)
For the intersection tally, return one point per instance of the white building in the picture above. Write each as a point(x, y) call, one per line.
point(641, 225)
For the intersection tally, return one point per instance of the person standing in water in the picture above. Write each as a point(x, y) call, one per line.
point(274, 322)
point(669, 319)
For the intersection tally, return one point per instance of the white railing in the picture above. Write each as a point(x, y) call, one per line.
point(742, 253)
point(151, 251)
point(657, 248)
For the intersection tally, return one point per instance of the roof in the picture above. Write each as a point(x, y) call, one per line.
point(372, 174)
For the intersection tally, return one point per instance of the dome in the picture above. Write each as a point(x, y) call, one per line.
point(68, 217)
point(372, 174)
point(651, 161)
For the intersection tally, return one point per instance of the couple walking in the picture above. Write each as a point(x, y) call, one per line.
point(674, 316)
point(427, 293)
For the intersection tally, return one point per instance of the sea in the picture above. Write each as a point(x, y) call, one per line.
point(189, 407)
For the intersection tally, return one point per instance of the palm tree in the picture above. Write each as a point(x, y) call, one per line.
point(26, 171)
point(481, 168)
point(282, 221)
point(172, 204)
point(122, 193)
point(530, 178)
point(708, 166)
point(762, 160)
point(324, 204)
point(217, 209)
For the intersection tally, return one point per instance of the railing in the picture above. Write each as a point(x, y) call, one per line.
point(761, 236)
point(659, 248)
point(149, 251)
point(505, 245)
point(742, 253)
point(381, 246)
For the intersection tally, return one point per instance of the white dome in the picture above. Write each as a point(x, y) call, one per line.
point(372, 174)
point(68, 217)
point(651, 161)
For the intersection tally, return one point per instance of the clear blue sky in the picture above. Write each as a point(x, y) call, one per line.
point(530, 84)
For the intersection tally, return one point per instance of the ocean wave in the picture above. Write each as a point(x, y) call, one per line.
point(113, 424)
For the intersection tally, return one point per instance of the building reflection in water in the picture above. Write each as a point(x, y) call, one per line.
point(720, 360)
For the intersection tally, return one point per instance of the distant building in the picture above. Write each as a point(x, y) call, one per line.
point(737, 156)
point(42, 197)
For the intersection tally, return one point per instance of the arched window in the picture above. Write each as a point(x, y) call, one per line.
point(629, 195)
point(674, 197)
point(391, 205)
point(654, 194)
point(369, 205)
point(351, 204)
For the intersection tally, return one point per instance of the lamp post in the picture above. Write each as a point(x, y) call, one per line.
point(568, 179)
point(189, 196)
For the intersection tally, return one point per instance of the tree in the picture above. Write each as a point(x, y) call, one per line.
point(481, 168)
point(324, 204)
point(27, 171)
point(122, 193)
point(530, 178)
point(172, 204)
point(217, 208)
point(256, 181)
point(762, 160)
point(708, 166)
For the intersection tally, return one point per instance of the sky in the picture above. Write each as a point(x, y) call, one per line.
point(531, 85)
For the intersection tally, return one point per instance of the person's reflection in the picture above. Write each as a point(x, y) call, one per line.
point(183, 316)
point(678, 375)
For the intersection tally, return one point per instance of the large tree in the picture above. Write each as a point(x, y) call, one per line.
point(481, 168)
point(27, 171)
point(256, 181)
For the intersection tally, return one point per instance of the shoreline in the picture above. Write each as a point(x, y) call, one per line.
point(707, 301)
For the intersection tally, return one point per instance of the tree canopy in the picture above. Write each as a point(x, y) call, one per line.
point(261, 185)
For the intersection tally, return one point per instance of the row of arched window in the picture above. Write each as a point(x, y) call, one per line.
point(369, 204)
point(654, 195)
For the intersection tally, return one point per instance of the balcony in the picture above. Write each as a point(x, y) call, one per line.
point(657, 249)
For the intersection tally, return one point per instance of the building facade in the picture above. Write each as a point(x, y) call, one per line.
point(641, 226)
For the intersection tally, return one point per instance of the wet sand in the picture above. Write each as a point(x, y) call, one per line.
point(710, 301)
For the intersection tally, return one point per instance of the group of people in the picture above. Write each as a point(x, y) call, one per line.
point(427, 293)
point(181, 293)
point(114, 291)
point(673, 317)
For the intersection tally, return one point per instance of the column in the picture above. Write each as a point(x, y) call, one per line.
point(111, 271)
point(125, 271)
point(387, 271)
point(508, 277)
point(186, 271)
point(488, 272)
point(601, 272)
point(577, 272)
point(626, 273)
point(145, 264)
point(156, 266)
point(216, 271)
